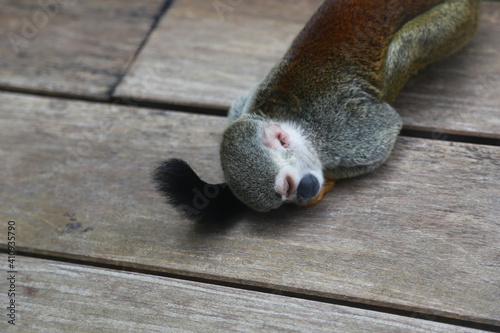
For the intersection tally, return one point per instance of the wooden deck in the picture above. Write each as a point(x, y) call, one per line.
point(94, 93)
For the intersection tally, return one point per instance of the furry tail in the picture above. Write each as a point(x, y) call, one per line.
point(193, 197)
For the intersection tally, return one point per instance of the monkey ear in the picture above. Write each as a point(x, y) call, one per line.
point(194, 198)
point(275, 136)
point(241, 106)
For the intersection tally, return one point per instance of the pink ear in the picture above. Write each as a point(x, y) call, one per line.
point(275, 136)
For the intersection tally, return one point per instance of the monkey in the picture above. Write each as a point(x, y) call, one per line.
point(323, 111)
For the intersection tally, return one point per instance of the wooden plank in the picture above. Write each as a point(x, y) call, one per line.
point(71, 47)
point(421, 233)
point(61, 297)
point(204, 54)
point(199, 56)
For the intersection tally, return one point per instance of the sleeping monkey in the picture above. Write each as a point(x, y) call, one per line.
point(322, 113)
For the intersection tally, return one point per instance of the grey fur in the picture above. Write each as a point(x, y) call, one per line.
point(349, 125)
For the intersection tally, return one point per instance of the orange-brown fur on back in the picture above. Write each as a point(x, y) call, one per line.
point(351, 35)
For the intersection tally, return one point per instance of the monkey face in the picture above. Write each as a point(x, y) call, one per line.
point(300, 177)
point(269, 163)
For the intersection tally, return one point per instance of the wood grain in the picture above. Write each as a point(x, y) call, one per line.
point(421, 233)
point(207, 55)
point(200, 57)
point(61, 297)
point(71, 47)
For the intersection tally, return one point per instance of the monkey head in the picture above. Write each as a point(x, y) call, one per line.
point(268, 163)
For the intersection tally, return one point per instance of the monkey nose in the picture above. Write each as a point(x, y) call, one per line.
point(308, 189)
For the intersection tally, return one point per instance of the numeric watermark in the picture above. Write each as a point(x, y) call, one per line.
point(11, 272)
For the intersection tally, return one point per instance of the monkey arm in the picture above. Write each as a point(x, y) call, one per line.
point(428, 37)
point(432, 36)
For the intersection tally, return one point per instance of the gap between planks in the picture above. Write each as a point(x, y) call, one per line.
point(166, 5)
point(207, 110)
point(247, 287)
point(242, 283)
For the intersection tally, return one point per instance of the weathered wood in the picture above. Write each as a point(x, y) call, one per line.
point(199, 56)
point(205, 54)
point(71, 47)
point(60, 297)
point(421, 233)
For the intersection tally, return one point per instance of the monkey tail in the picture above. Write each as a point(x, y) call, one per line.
point(194, 198)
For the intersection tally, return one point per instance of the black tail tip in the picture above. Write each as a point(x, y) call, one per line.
point(194, 198)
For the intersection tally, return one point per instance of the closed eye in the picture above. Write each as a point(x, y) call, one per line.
point(284, 140)
point(288, 186)
point(286, 182)
point(286, 189)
